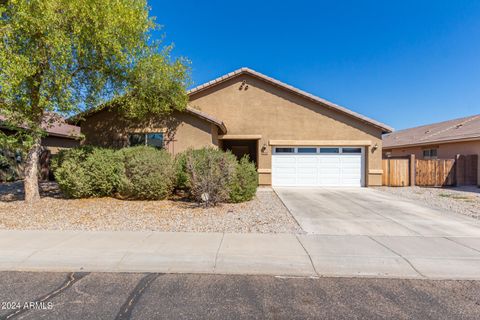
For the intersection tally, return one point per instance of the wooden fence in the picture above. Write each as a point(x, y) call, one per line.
point(396, 172)
point(408, 171)
point(435, 173)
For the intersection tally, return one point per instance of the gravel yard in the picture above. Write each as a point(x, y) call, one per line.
point(264, 214)
point(464, 200)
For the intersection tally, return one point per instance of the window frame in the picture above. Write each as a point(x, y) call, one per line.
point(352, 148)
point(297, 149)
point(430, 155)
point(145, 139)
point(284, 152)
point(338, 151)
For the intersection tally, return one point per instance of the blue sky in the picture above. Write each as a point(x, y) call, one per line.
point(405, 63)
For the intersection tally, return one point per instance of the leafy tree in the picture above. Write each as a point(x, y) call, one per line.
point(69, 55)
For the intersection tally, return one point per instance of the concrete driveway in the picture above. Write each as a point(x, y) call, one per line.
point(366, 211)
point(360, 231)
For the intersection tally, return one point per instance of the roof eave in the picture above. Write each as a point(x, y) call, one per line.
point(416, 144)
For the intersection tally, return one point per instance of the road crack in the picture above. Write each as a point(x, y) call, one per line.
point(127, 308)
point(71, 279)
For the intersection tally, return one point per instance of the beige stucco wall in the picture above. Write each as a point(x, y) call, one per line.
point(269, 111)
point(182, 130)
point(444, 150)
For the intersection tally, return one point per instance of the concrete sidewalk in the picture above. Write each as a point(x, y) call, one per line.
point(267, 254)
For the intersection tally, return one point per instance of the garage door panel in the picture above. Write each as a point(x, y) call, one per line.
point(329, 160)
point(307, 170)
point(351, 171)
point(285, 181)
point(317, 169)
point(330, 171)
point(285, 160)
point(307, 160)
point(286, 170)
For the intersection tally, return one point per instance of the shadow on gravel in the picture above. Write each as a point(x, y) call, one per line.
point(13, 191)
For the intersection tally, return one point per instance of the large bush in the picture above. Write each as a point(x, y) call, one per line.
point(209, 174)
point(88, 172)
point(149, 173)
point(244, 182)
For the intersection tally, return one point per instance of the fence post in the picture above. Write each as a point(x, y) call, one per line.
point(412, 170)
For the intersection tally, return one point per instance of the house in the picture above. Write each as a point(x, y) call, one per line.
point(442, 140)
point(294, 138)
point(58, 133)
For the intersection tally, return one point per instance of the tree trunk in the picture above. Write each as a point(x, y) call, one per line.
point(31, 172)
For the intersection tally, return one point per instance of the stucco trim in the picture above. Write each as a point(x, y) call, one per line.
point(240, 137)
point(385, 128)
point(264, 170)
point(320, 142)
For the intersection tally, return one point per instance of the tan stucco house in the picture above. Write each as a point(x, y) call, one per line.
point(441, 140)
point(295, 138)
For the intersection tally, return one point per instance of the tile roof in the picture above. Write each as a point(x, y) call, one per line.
point(55, 125)
point(290, 88)
point(467, 128)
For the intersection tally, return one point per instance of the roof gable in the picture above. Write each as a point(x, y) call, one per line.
point(385, 128)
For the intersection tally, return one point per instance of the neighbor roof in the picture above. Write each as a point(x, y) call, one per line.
point(55, 125)
point(467, 128)
point(385, 128)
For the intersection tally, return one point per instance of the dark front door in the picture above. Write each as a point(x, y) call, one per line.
point(242, 147)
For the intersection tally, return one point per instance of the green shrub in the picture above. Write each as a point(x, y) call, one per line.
point(245, 181)
point(181, 176)
point(209, 174)
point(88, 172)
point(78, 154)
point(149, 173)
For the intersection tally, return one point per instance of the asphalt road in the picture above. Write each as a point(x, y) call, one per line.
point(194, 296)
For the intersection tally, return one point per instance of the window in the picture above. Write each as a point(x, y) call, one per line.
point(284, 150)
point(430, 153)
point(351, 150)
point(154, 139)
point(329, 150)
point(137, 139)
point(307, 150)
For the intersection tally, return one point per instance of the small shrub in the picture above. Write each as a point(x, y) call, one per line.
point(88, 172)
point(209, 173)
point(149, 173)
point(245, 181)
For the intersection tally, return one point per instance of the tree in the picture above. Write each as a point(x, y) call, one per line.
point(68, 55)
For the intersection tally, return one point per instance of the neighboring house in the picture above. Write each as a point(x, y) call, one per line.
point(294, 138)
point(58, 133)
point(442, 140)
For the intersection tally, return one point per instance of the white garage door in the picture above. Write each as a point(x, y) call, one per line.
point(318, 166)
